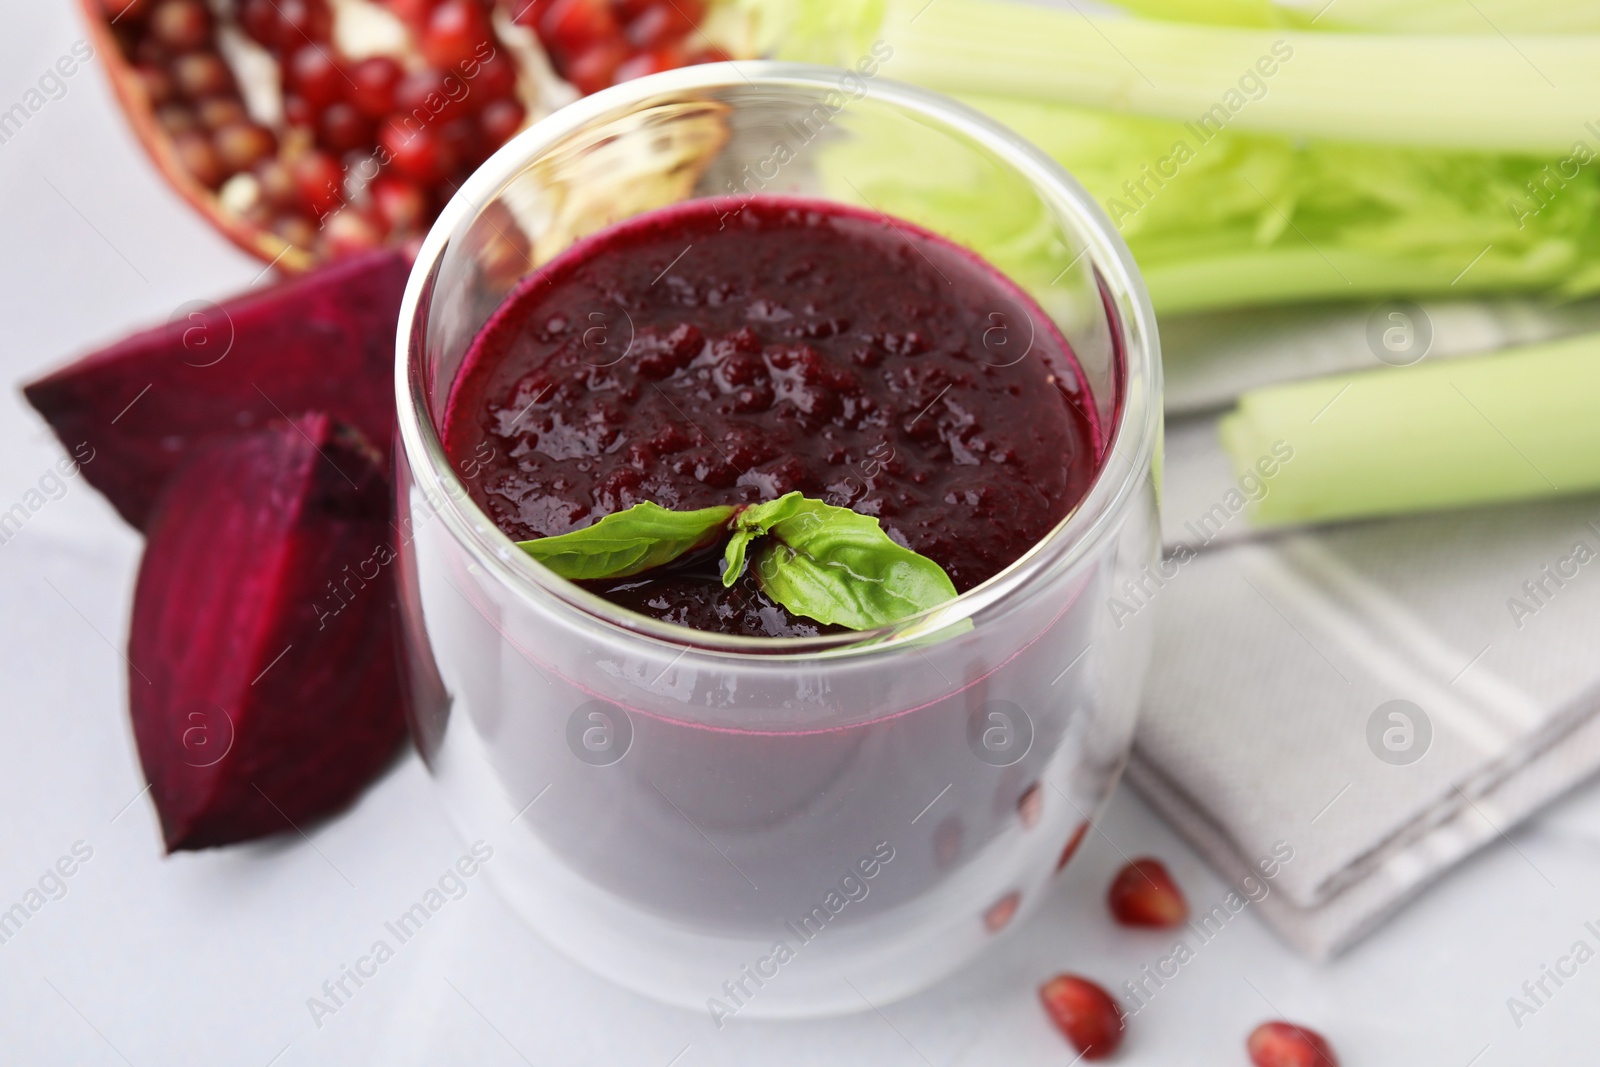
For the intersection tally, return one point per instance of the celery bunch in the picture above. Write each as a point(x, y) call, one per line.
point(1363, 164)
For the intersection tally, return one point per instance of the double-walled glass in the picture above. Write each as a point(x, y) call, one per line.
point(775, 827)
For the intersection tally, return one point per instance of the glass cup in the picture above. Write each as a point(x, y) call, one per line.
point(776, 827)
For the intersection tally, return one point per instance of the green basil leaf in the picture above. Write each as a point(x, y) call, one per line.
point(837, 566)
point(751, 523)
point(626, 542)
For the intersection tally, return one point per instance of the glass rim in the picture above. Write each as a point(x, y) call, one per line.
point(1132, 437)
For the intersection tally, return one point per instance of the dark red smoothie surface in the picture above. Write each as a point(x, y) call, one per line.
point(726, 352)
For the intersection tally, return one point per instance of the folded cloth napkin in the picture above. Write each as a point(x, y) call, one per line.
point(1384, 697)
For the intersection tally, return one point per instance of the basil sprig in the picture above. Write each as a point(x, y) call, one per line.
point(827, 563)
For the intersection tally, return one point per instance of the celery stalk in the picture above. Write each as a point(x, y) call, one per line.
point(1468, 91)
point(1515, 425)
point(1383, 16)
point(1366, 220)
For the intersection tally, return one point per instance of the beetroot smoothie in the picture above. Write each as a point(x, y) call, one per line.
point(728, 352)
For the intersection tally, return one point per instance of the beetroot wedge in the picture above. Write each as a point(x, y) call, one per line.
point(321, 342)
point(263, 684)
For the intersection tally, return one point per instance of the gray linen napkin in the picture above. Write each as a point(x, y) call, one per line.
point(1385, 696)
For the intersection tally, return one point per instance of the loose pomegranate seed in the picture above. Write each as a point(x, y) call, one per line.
point(241, 145)
point(1072, 846)
point(199, 158)
point(1030, 806)
point(1144, 894)
point(453, 33)
point(575, 25)
point(667, 57)
point(1085, 1013)
point(496, 78)
point(221, 111)
point(202, 74)
point(181, 25)
point(314, 76)
point(1001, 912)
point(320, 181)
point(341, 128)
point(418, 154)
point(372, 85)
point(595, 67)
point(400, 204)
point(500, 121)
point(1280, 1044)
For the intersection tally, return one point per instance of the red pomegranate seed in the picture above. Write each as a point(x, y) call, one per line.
point(664, 24)
point(199, 158)
point(158, 84)
point(528, 12)
point(428, 96)
point(314, 76)
point(296, 112)
point(125, 10)
point(221, 111)
point(349, 232)
point(277, 184)
point(413, 13)
point(667, 57)
point(202, 74)
point(420, 154)
point(1280, 1044)
point(303, 21)
point(1001, 912)
point(181, 25)
point(453, 33)
point(342, 128)
point(320, 181)
point(1144, 894)
point(1072, 846)
point(708, 55)
point(628, 10)
point(260, 20)
point(372, 85)
point(241, 145)
point(500, 120)
point(595, 68)
point(1085, 1013)
point(400, 204)
point(463, 143)
point(496, 78)
point(176, 119)
point(1030, 806)
point(574, 25)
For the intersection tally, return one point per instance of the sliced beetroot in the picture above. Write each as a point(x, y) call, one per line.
point(263, 684)
point(320, 342)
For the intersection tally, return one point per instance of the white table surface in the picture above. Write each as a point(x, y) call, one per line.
point(209, 958)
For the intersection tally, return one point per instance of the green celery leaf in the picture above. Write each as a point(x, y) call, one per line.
point(626, 542)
